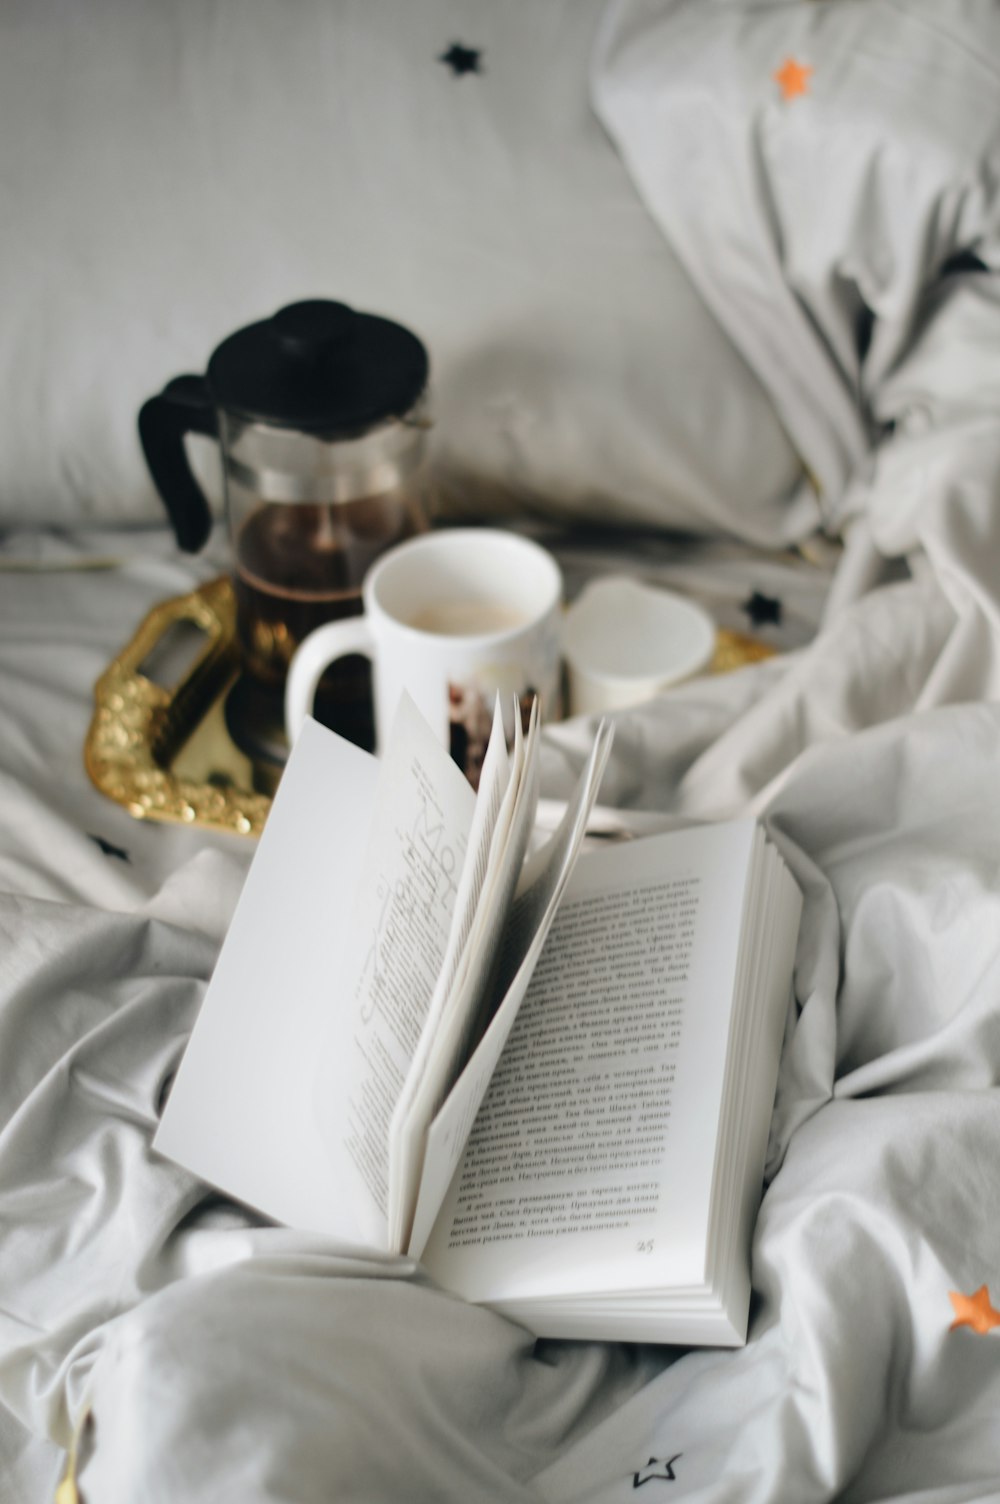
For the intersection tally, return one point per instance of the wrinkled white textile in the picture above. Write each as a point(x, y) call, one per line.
point(843, 222)
point(228, 1360)
point(224, 1359)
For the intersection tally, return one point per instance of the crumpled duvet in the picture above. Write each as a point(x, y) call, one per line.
point(827, 174)
point(226, 1359)
point(222, 1359)
point(219, 1356)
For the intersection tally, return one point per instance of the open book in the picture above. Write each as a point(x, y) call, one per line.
point(546, 1072)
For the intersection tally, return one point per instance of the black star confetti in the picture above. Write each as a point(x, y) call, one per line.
point(656, 1468)
point(461, 59)
point(762, 609)
point(108, 849)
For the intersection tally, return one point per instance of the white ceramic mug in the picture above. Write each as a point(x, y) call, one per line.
point(452, 617)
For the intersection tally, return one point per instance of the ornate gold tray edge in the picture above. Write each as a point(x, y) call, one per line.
point(139, 727)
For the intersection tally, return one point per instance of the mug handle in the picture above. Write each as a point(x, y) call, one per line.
point(311, 659)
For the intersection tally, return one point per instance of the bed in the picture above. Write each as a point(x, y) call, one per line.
point(711, 293)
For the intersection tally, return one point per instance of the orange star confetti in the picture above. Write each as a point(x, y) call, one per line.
point(974, 1310)
point(793, 78)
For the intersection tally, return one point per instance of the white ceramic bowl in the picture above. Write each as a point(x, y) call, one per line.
point(624, 642)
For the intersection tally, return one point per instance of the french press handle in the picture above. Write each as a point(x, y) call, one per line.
point(184, 406)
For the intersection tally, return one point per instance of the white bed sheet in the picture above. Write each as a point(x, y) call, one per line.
point(224, 1359)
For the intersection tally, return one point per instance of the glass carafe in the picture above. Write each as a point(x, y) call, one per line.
point(321, 414)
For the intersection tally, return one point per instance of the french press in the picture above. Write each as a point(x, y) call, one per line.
point(321, 417)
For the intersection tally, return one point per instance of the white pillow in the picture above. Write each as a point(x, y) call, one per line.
point(171, 170)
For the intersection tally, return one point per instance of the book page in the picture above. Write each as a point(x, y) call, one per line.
point(405, 891)
point(466, 995)
point(589, 1167)
point(240, 1114)
point(497, 784)
point(524, 935)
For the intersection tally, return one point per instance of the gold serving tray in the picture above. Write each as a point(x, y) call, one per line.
point(164, 751)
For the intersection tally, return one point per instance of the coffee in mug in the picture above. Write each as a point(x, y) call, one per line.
point(453, 618)
point(466, 618)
